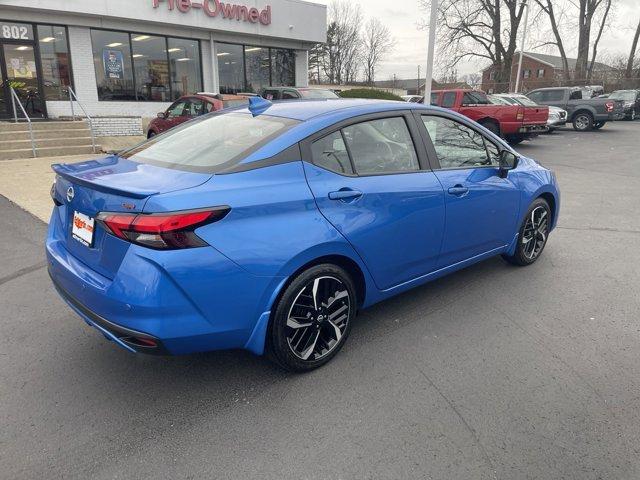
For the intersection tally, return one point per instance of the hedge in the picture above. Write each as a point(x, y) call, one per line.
point(369, 93)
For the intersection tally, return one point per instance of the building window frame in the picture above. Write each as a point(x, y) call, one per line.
point(244, 61)
point(131, 62)
point(540, 73)
point(36, 51)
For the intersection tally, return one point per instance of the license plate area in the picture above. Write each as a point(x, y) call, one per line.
point(82, 228)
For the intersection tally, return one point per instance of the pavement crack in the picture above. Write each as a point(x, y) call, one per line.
point(598, 229)
point(470, 429)
point(22, 271)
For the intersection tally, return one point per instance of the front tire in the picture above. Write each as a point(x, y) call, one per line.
point(583, 122)
point(533, 234)
point(492, 126)
point(312, 319)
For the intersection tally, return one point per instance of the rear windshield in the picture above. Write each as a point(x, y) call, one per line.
point(211, 143)
point(235, 103)
point(317, 93)
point(526, 101)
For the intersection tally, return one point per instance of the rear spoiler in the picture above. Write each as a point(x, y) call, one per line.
point(90, 178)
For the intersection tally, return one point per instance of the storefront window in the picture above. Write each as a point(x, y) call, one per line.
point(230, 67)
point(112, 61)
point(151, 68)
point(55, 61)
point(186, 75)
point(258, 68)
point(283, 67)
point(145, 68)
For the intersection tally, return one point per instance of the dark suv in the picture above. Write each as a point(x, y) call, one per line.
point(297, 93)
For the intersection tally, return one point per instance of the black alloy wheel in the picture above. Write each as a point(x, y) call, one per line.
point(313, 318)
point(533, 234)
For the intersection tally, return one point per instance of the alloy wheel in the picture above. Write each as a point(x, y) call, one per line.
point(318, 318)
point(535, 232)
point(582, 122)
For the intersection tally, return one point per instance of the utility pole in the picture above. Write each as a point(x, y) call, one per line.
point(430, 49)
point(418, 82)
point(524, 34)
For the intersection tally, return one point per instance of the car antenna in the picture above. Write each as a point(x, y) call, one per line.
point(258, 105)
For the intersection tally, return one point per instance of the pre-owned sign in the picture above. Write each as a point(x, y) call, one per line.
point(214, 8)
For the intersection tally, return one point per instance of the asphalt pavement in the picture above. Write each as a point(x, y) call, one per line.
point(495, 372)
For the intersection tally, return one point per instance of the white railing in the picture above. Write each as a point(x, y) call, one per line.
point(14, 99)
point(72, 97)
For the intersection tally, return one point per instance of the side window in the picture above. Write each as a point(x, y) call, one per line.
point(330, 152)
point(289, 94)
point(576, 95)
point(552, 95)
point(381, 146)
point(458, 146)
point(434, 98)
point(448, 99)
point(209, 107)
point(196, 107)
point(270, 94)
point(177, 109)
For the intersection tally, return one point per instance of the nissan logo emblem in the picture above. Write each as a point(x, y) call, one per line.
point(70, 194)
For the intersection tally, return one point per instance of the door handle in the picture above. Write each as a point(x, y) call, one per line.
point(458, 190)
point(345, 194)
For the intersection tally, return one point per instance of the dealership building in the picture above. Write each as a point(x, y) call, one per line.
point(127, 60)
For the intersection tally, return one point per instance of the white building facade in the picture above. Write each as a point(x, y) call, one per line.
point(130, 59)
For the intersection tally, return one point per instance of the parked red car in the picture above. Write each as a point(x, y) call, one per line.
point(191, 106)
point(513, 122)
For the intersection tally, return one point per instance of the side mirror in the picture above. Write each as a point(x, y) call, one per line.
point(508, 161)
point(162, 114)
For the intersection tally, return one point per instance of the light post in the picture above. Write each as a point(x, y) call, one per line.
point(430, 50)
point(524, 34)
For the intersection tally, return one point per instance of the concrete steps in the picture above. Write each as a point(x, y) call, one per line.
point(52, 138)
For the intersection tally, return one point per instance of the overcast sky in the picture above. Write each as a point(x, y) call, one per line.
point(402, 17)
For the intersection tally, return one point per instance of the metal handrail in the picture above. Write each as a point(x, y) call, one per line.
point(72, 96)
point(14, 99)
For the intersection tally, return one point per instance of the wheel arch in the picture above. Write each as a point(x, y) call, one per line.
point(492, 120)
point(584, 109)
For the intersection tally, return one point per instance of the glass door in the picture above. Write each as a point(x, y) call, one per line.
point(19, 71)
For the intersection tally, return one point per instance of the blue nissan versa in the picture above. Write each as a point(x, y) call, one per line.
point(267, 227)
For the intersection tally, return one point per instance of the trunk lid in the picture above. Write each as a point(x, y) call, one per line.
point(110, 184)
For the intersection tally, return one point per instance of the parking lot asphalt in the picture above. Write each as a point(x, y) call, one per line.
point(495, 372)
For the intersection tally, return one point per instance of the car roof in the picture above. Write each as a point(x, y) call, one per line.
point(315, 115)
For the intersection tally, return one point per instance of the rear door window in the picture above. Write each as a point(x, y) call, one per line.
point(554, 95)
point(210, 143)
point(330, 153)
point(178, 109)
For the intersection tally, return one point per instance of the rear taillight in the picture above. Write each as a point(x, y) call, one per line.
point(161, 231)
point(520, 114)
point(609, 106)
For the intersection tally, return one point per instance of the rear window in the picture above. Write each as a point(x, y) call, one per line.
point(211, 143)
point(527, 102)
point(475, 98)
point(317, 93)
point(235, 103)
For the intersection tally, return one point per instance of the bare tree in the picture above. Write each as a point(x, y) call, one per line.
point(376, 43)
point(484, 29)
point(342, 52)
point(554, 18)
point(594, 49)
point(632, 54)
point(472, 79)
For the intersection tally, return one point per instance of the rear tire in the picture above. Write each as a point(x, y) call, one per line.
point(312, 319)
point(533, 234)
point(583, 122)
point(516, 139)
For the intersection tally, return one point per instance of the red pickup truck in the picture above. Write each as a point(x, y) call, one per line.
point(515, 123)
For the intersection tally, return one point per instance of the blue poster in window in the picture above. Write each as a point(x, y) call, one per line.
point(113, 64)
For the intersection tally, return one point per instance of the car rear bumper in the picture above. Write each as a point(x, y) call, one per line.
point(533, 128)
point(181, 301)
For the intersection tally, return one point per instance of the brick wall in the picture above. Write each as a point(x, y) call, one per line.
point(117, 126)
point(546, 80)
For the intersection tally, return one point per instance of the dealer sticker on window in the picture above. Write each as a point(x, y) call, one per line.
point(82, 229)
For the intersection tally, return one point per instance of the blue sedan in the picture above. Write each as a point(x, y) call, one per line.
point(268, 227)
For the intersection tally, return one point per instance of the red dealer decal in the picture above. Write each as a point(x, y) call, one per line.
point(213, 8)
